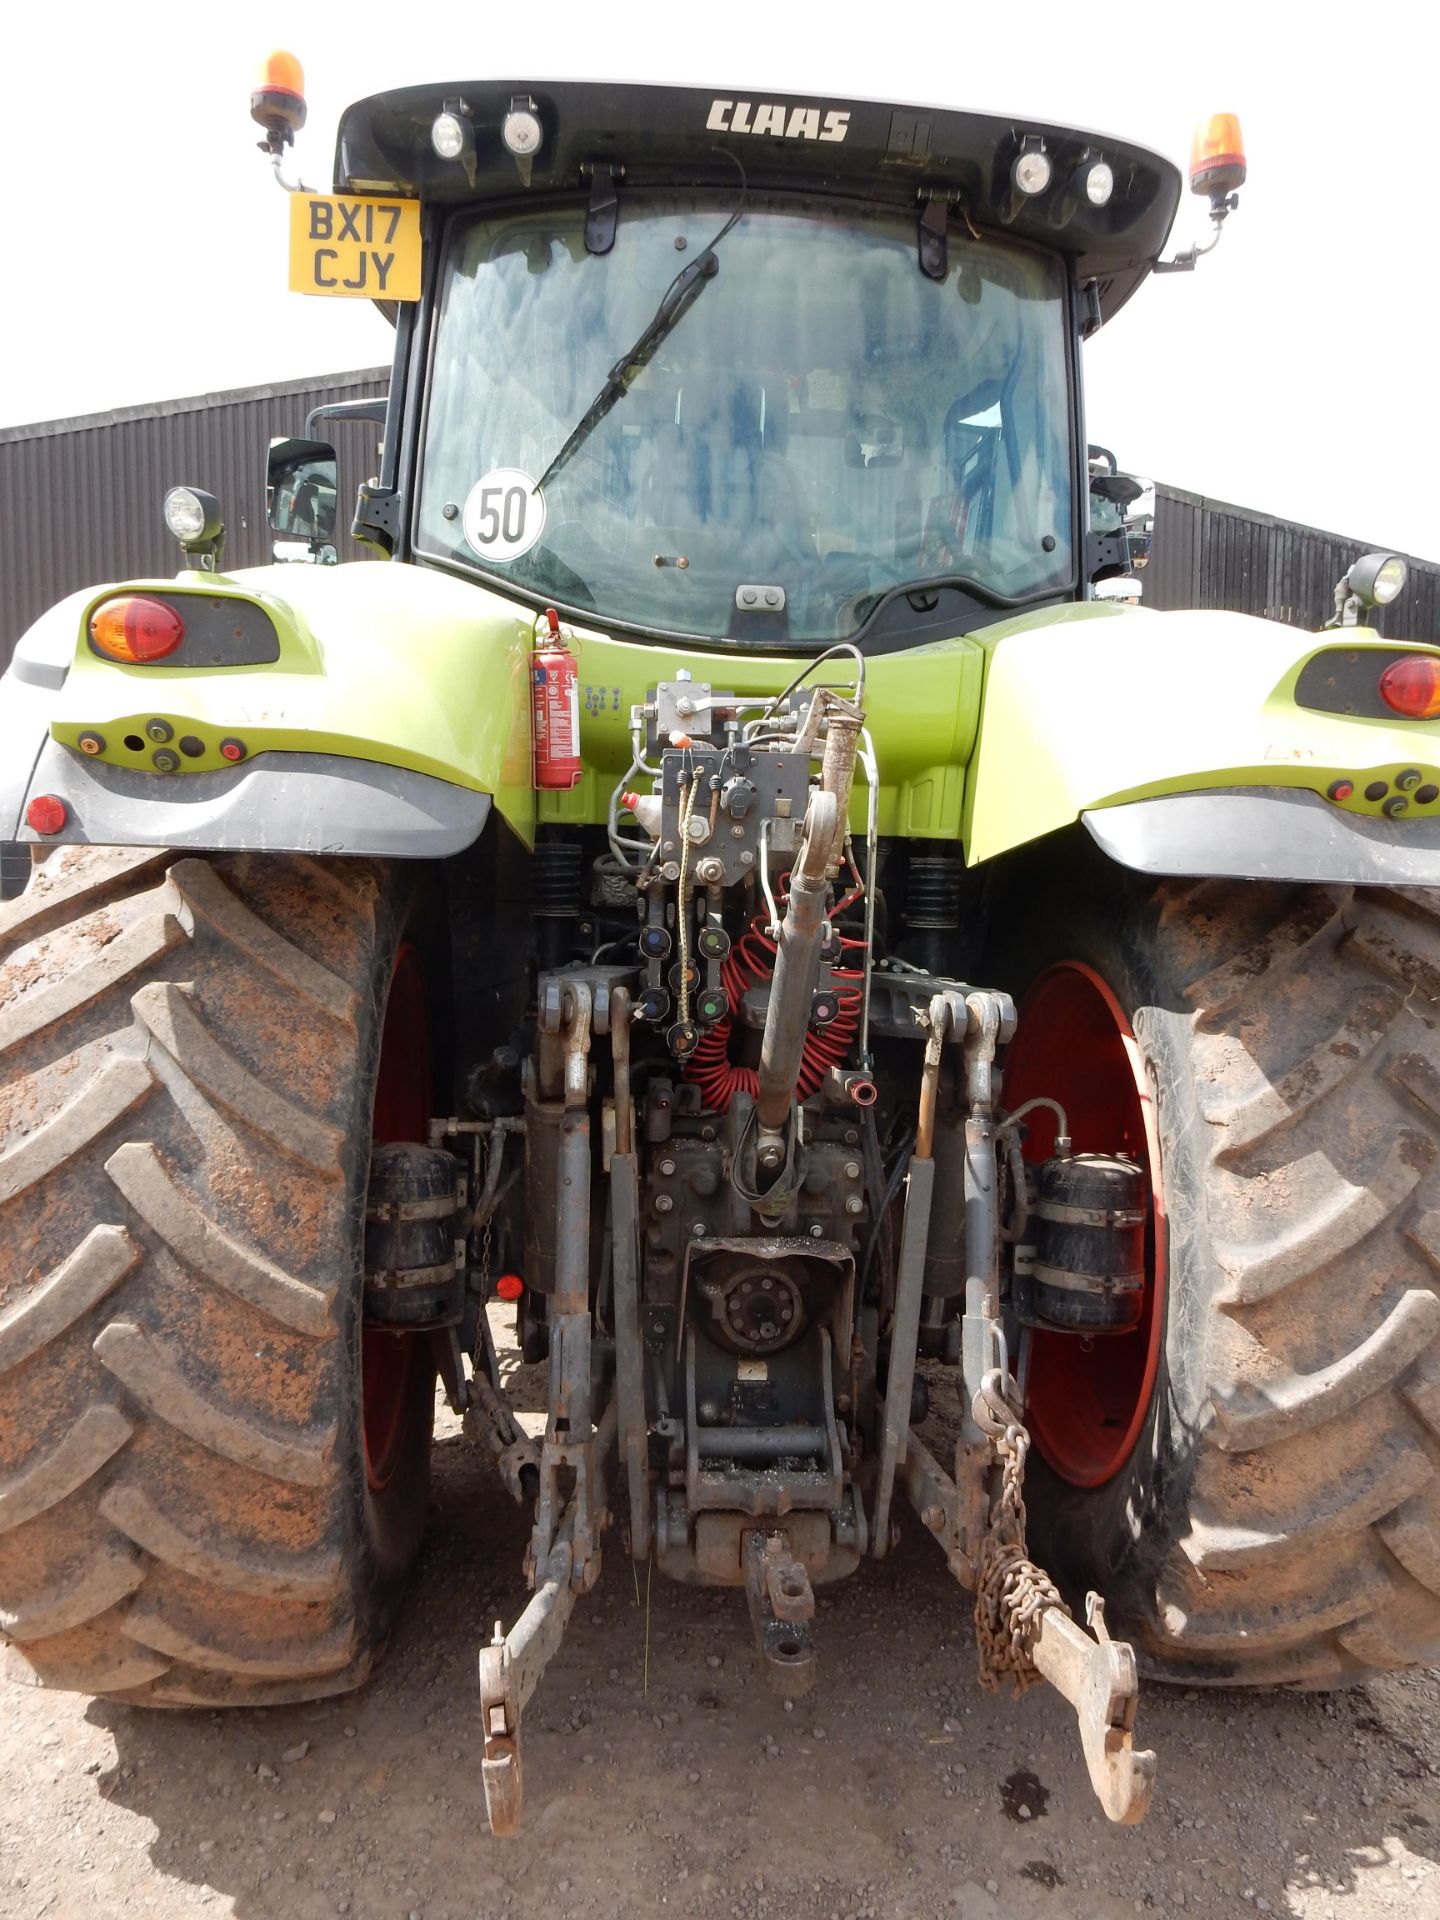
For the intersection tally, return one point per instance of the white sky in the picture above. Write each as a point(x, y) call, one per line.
point(1295, 371)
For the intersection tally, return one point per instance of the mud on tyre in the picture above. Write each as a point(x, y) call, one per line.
point(188, 1057)
point(1271, 1513)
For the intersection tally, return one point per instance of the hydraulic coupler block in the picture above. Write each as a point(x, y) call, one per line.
point(1088, 1274)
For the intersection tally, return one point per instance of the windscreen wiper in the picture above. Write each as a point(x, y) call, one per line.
point(677, 300)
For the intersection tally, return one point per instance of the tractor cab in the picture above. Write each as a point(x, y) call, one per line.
point(782, 373)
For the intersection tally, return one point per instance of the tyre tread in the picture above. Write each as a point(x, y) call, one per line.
point(1311, 1553)
point(189, 1535)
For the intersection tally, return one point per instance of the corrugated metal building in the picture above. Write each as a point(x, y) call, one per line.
point(80, 499)
point(1207, 553)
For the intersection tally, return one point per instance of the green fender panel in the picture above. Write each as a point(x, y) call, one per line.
point(923, 707)
point(399, 665)
point(1098, 704)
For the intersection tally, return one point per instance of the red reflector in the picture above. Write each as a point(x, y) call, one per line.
point(136, 630)
point(232, 749)
point(1412, 686)
point(509, 1286)
point(46, 813)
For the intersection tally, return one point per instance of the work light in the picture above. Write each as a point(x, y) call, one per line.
point(521, 130)
point(185, 514)
point(1099, 183)
point(1377, 578)
point(451, 136)
point(1031, 171)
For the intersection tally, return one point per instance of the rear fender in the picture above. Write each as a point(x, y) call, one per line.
point(1113, 715)
point(395, 715)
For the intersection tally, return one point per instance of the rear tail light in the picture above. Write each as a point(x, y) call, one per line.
point(135, 629)
point(1412, 686)
point(46, 813)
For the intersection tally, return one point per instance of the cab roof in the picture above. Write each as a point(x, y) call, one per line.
point(893, 155)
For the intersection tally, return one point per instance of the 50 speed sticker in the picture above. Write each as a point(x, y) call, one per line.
point(504, 516)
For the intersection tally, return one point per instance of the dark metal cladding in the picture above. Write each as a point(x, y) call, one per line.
point(867, 148)
point(1208, 553)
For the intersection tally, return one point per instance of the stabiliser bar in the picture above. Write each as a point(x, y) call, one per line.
point(1023, 1629)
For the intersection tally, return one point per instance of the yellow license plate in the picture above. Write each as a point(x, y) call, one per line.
point(354, 248)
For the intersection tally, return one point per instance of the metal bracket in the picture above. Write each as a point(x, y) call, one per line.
point(905, 1334)
point(951, 1509)
point(603, 213)
point(1093, 317)
point(377, 517)
point(1097, 1676)
point(570, 1447)
point(782, 1606)
point(490, 1419)
point(934, 235)
point(512, 1665)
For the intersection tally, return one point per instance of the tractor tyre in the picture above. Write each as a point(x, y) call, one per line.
point(1249, 1478)
point(212, 1479)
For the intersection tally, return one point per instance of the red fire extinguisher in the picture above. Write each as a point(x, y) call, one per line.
point(555, 708)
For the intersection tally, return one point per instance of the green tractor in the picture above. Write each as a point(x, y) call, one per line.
point(726, 886)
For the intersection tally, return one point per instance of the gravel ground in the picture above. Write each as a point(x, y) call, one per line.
point(677, 1784)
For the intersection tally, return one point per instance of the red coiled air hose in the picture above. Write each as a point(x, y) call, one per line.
point(750, 962)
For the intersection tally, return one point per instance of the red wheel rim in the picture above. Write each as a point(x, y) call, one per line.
point(1088, 1399)
point(401, 1112)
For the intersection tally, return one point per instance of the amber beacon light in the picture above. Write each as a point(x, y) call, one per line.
point(277, 102)
point(1217, 170)
point(1217, 157)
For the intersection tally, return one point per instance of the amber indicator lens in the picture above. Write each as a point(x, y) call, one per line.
point(136, 630)
point(1412, 687)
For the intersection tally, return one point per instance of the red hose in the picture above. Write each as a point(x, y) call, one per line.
point(749, 963)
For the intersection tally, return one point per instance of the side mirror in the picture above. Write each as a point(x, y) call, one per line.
point(302, 485)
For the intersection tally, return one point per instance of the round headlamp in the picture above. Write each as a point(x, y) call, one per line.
point(521, 130)
point(191, 515)
point(1099, 183)
point(1377, 578)
point(450, 136)
point(1031, 171)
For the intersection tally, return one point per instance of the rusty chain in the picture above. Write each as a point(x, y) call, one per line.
point(1011, 1592)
